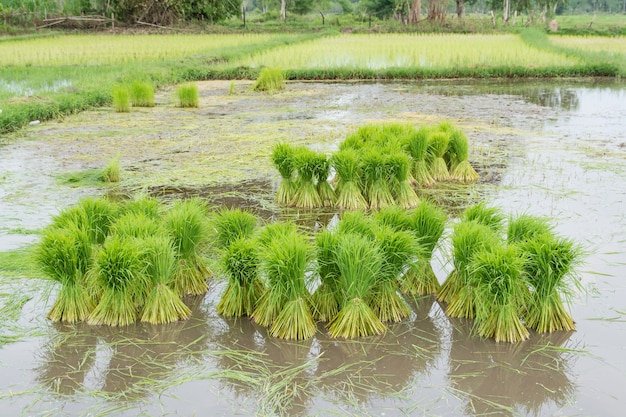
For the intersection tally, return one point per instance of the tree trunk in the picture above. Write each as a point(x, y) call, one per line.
point(505, 12)
point(283, 10)
point(459, 8)
point(414, 12)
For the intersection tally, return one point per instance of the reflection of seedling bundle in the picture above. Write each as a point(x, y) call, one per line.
point(384, 162)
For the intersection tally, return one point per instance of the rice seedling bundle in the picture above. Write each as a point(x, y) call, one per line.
point(270, 80)
point(428, 224)
point(283, 156)
point(325, 299)
point(377, 180)
point(244, 289)
point(186, 224)
point(287, 305)
point(233, 224)
point(277, 230)
point(359, 261)
point(526, 227)
point(65, 256)
point(393, 217)
point(112, 172)
point(321, 172)
point(549, 266)
point(396, 248)
point(404, 194)
point(458, 156)
point(348, 189)
point(93, 215)
point(491, 217)
point(363, 138)
point(143, 204)
point(120, 271)
point(121, 99)
point(136, 225)
point(357, 222)
point(306, 195)
point(187, 95)
point(437, 146)
point(417, 147)
point(141, 94)
point(162, 304)
point(468, 238)
point(501, 294)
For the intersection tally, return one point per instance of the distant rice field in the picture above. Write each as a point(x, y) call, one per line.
point(407, 51)
point(115, 49)
point(592, 43)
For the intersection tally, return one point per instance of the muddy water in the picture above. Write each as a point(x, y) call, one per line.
point(553, 150)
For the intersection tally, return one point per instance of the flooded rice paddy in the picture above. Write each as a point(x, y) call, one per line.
point(555, 149)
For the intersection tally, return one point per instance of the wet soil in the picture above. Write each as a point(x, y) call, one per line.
point(546, 149)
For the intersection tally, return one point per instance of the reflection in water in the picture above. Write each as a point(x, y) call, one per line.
point(379, 366)
point(502, 378)
point(140, 355)
point(68, 358)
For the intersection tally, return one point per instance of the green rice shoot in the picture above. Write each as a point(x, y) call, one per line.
point(141, 94)
point(187, 95)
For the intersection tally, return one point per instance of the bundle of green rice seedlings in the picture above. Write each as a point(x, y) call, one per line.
point(397, 248)
point(162, 304)
point(491, 217)
point(143, 204)
point(348, 188)
point(275, 230)
point(393, 217)
point(359, 261)
point(428, 224)
point(272, 299)
point(404, 194)
point(321, 173)
point(325, 299)
point(186, 225)
point(233, 224)
point(363, 138)
point(306, 195)
point(244, 289)
point(121, 99)
point(285, 261)
point(526, 227)
point(458, 156)
point(463, 303)
point(394, 134)
point(283, 156)
point(550, 263)
point(377, 180)
point(120, 271)
point(65, 256)
point(270, 80)
point(136, 225)
point(94, 215)
point(437, 146)
point(468, 238)
point(501, 294)
point(417, 146)
point(358, 223)
point(141, 94)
